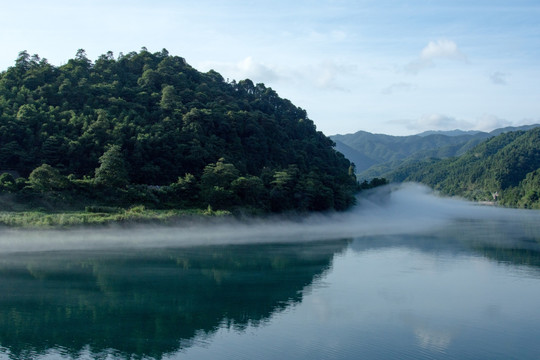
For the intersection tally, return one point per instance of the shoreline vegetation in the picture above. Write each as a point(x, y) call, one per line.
point(148, 129)
point(101, 216)
point(56, 210)
point(504, 169)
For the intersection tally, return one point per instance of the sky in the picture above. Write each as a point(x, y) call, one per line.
point(383, 66)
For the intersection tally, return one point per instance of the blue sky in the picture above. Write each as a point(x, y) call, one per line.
point(394, 67)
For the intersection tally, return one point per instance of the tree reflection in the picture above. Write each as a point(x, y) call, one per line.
point(509, 242)
point(147, 303)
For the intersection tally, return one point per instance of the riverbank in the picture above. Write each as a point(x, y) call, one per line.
point(96, 216)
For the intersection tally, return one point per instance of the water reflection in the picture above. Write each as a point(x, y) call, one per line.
point(509, 241)
point(466, 289)
point(147, 303)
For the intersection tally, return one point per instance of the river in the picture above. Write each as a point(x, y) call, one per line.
point(405, 275)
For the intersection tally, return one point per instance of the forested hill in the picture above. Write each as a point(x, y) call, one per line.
point(377, 154)
point(151, 121)
point(505, 168)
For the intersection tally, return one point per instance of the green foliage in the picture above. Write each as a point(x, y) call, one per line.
point(140, 122)
point(249, 189)
point(7, 183)
point(504, 168)
point(112, 171)
point(45, 178)
point(99, 216)
point(219, 174)
point(376, 155)
point(102, 209)
point(373, 183)
point(216, 184)
point(186, 190)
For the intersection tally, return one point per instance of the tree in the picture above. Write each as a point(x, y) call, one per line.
point(216, 184)
point(186, 189)
point(169, 119)
point(45, 178)
point(282, 194)
point(249, 189)
point(352, 171)
point(22, 61)
point(112, 172)
point(169, 99)
point(219, 174)
point(7, 182)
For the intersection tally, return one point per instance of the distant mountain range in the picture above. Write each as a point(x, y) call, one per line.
point(504, 168)
point(455, 132)
point(377, 155)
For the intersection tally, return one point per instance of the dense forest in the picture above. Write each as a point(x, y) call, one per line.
point(505, 169)
point(147, 128)
point(377, 155)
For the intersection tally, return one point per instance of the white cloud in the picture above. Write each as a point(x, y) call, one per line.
point(398, 87)
point(248, 68)
point(442, 49)
point(329, 75)
point(438, 122)
point(434, 50)
point(331, 36)
point(498, 78)
point(256, 70)
point(486, 122)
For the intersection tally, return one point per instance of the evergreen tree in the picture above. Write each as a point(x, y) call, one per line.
point(112, 171)
point(171, 120)
point(45, 178)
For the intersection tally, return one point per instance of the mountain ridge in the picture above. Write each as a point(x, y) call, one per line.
point(504, 169)
point(376, 155)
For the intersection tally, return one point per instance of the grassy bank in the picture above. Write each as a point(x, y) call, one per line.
point(99, 216)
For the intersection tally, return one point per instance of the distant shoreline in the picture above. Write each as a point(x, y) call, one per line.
point(490, 203)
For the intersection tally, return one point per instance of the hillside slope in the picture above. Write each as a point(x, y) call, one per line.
point(387, 152)
point(196, 137)
point(507, 165)
point(377, 155)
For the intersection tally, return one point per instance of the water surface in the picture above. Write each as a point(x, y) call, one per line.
point(441, 280)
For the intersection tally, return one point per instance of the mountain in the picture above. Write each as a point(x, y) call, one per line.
point(455, 132)
point(377, 155)
point(513, 128)
point(360, 159)
point(148, 128)
point(505, 168)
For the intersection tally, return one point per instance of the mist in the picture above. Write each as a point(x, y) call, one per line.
point(394, 209)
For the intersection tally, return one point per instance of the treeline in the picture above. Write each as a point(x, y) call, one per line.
point(505, 169)
point(148, 128)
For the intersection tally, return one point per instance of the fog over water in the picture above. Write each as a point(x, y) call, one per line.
point(394, 209)
point(405, 274)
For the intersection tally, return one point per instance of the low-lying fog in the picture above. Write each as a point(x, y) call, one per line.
point(394, 209)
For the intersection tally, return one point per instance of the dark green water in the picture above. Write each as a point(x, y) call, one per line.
point(468, 289)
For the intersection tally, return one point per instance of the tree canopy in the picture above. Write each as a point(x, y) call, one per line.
point(504, 168)
point(150, 119)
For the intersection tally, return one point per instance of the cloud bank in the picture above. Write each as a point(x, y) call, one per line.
point(498, 78)
point(247, 68)
point(485, 122)
point(398, 87)
point(433, 51)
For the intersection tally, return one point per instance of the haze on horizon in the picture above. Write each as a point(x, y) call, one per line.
point(394, 67)
point(396, 209)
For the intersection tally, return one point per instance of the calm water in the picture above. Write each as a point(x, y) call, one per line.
point(465, 288)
